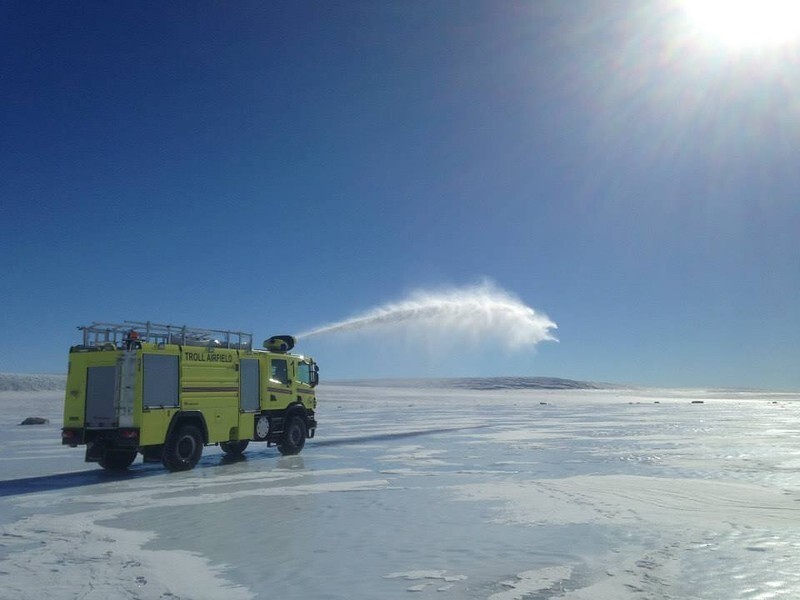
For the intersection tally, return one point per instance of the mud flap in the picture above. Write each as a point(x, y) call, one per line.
point(95, 451)
point(152, 454)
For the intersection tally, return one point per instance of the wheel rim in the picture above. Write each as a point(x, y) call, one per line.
point(186, 447)
point(262, 427)
point(295, 433)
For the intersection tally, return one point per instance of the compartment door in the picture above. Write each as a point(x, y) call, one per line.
point(101, 389)
point(160, 381)
point(249, 399)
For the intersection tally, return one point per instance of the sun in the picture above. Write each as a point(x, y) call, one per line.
point(746, 23)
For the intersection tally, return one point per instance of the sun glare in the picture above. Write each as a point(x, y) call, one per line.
point(744, 23)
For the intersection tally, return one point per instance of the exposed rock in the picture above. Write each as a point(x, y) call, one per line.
point(35, 421)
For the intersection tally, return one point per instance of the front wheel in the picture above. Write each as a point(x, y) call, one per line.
point(117, 460)
point(183, 449)
point(234, 448)
point(294, 436)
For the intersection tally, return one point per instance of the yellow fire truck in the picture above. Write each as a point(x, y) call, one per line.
point(166, 391)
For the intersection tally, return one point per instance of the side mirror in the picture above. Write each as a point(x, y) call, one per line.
point(315, 376)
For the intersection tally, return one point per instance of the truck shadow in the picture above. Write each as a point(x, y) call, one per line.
point(397, 435)
point(95, 476)
point(62, 481)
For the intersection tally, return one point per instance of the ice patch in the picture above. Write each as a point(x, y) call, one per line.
point(432, 578)
point(72, 556)
point(626, 499)
point(528, 582)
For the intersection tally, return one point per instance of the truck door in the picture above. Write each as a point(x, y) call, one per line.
point(280, 385)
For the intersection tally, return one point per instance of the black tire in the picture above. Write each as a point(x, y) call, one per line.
point(234, 448)
point(183, 449)
point(117, 460)
point(294, 435)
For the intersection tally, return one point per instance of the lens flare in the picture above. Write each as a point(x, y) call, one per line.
point(744, 23)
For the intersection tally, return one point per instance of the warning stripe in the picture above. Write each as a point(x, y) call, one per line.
point(279, 390)
point(210, 389)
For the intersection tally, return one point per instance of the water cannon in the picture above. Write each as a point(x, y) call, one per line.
point(279, 343)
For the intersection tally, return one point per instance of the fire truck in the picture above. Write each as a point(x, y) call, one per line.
point(166, 391)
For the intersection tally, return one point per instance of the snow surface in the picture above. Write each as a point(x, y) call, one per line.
point(426, 492)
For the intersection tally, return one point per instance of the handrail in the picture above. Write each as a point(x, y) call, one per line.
point(99, 334)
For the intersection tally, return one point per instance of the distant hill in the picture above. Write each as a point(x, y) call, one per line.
point(39, 382)
point(16, 382)
point(488, 383)
point(523, 383)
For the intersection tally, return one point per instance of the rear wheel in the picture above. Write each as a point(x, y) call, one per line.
point(117, 460)
point(183, 449)
point(234, 448)
point(294, 435)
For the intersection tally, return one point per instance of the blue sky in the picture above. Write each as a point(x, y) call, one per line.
point(274, 166)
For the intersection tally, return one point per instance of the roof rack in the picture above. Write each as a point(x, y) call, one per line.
point(103, 334)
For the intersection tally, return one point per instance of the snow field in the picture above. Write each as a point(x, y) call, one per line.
point(427, 493)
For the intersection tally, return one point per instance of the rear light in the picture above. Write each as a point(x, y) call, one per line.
point(128, 434)
point(68, 434)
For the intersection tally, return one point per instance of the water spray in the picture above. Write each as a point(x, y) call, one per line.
point(473, 314)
